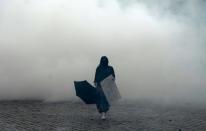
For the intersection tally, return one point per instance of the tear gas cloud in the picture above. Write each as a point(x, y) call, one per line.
point(157, 48)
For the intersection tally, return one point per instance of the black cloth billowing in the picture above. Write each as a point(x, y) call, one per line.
point(101, 73)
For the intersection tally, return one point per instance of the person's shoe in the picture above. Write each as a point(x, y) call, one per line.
point(103, 117)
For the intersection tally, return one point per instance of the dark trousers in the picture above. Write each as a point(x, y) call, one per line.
point(101, 103)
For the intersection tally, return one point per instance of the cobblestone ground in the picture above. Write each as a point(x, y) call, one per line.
point(76, 116)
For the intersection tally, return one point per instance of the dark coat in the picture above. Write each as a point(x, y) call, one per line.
point(102, 72)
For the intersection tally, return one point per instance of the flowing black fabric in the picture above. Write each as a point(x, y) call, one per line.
point(101, 102)
point(101, 73)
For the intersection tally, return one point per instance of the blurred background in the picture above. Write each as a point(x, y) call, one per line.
point(157, 48)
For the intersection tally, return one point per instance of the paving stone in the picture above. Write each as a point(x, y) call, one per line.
point(76, 116)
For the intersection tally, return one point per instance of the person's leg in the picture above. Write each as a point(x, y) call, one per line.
point(105, 107)
point(103, 117)
point(102, 103)
point(98, 101)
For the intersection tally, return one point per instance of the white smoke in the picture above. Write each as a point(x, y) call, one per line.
point(156, 48)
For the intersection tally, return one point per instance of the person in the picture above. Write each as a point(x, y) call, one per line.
point(103, 70)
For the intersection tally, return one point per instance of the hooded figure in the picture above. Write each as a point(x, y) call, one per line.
point(102, 71)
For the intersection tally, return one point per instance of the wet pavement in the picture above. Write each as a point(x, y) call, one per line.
point(76, 116)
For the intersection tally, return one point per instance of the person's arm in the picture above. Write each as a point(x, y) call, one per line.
point(95, 78)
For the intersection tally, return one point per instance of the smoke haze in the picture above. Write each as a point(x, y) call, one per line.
point(156, 48)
